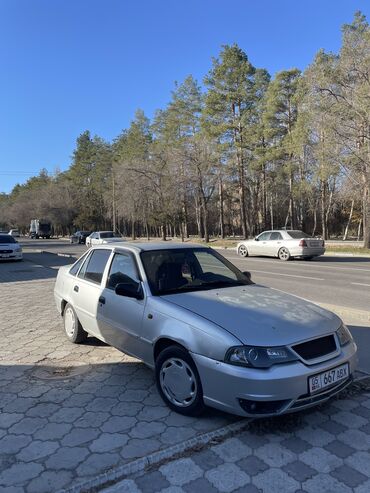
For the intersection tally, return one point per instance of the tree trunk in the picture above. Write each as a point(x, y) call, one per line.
point(198, 217)
point(314, 220)
point(345, 236)
point(359, 230)
point(163, 232)
point(323, 214)
point(221, 201)
point(133, 236)
point(366, 219)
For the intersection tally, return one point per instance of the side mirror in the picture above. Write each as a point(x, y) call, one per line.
point(130, 290)
point(247, 274)
point(256, 239)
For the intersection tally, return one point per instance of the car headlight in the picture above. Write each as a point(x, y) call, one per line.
point(18, 248)
point(258, 357)
point(344, 335)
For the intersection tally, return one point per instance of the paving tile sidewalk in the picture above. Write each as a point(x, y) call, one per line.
point(71, 412)
point(326, 450)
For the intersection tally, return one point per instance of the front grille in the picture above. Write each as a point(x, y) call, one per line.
point(6, 251)
point(316, 348)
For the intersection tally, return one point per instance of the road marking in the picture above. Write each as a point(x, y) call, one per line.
point(293, 264)
point(360, 284)
point(286, 275)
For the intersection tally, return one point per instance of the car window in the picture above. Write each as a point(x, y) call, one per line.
point(189, 269)
point(297, 235)
point(123, 269)
point(264, 236)
point(95, 266)
point(75, 267)
point(209, 263)
point(7, 239)
point(109, 234)
point(276, 236)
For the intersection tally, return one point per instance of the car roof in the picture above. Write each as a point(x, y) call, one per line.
point(150, 246)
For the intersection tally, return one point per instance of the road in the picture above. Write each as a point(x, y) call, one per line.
point(343, 281)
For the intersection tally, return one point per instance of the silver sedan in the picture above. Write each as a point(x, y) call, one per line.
point(285, 244)
point(212, 336)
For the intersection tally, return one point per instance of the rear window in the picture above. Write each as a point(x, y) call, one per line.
point(7, 239)
point(297, 235)
point(109, 234)
point(95, 266)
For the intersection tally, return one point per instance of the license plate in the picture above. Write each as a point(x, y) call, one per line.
point(5, 255)
point(328, 378)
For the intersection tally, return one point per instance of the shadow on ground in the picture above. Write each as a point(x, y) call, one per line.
point(34, 267)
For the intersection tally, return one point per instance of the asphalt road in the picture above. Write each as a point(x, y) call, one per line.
point(336, 280)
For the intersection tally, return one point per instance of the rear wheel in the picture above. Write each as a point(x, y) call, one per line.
point(284, 254)
point(178, 381)
point(72, 327)
point(243, 252)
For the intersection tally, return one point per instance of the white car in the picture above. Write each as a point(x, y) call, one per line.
point(102, 237)
point(14, 233)
point(284, 244)
point(10, 249)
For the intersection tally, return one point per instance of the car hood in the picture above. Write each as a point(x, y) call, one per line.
point(8, 246)
point(258, 315)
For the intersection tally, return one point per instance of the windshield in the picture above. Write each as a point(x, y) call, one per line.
point(109, 234)
point(7, 239)
point(189, 269)
point(297, 235)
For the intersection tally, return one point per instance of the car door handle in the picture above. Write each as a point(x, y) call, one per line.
point(102, 300)
point(76, 288)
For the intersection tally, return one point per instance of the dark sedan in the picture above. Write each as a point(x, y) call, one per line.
point(80, 237)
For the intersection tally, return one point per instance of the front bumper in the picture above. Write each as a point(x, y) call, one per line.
point(16, 255)
point(267, 392)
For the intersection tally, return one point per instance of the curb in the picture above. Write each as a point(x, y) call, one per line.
point(137, 465)
point(344, 312)
point(69, 255)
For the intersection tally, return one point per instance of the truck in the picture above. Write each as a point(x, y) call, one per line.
point(40, 228)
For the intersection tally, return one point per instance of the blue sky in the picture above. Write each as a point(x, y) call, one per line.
point(71, 65)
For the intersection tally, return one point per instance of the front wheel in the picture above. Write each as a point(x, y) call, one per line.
point(72, 327)
point(284, 254)
point(178, 381)
point(243, 252)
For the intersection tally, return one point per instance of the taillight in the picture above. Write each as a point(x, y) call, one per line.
point(302, 243)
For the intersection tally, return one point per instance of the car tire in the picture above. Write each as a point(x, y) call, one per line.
point(284, 254)
point(175, 364)
point(242, 251)
point(72, 327)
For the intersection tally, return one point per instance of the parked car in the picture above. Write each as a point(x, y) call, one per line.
point(79, 237)
point(101, 237)
point(284, 244)
point(212, 336)
point(10, 249)
point(14, 233)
